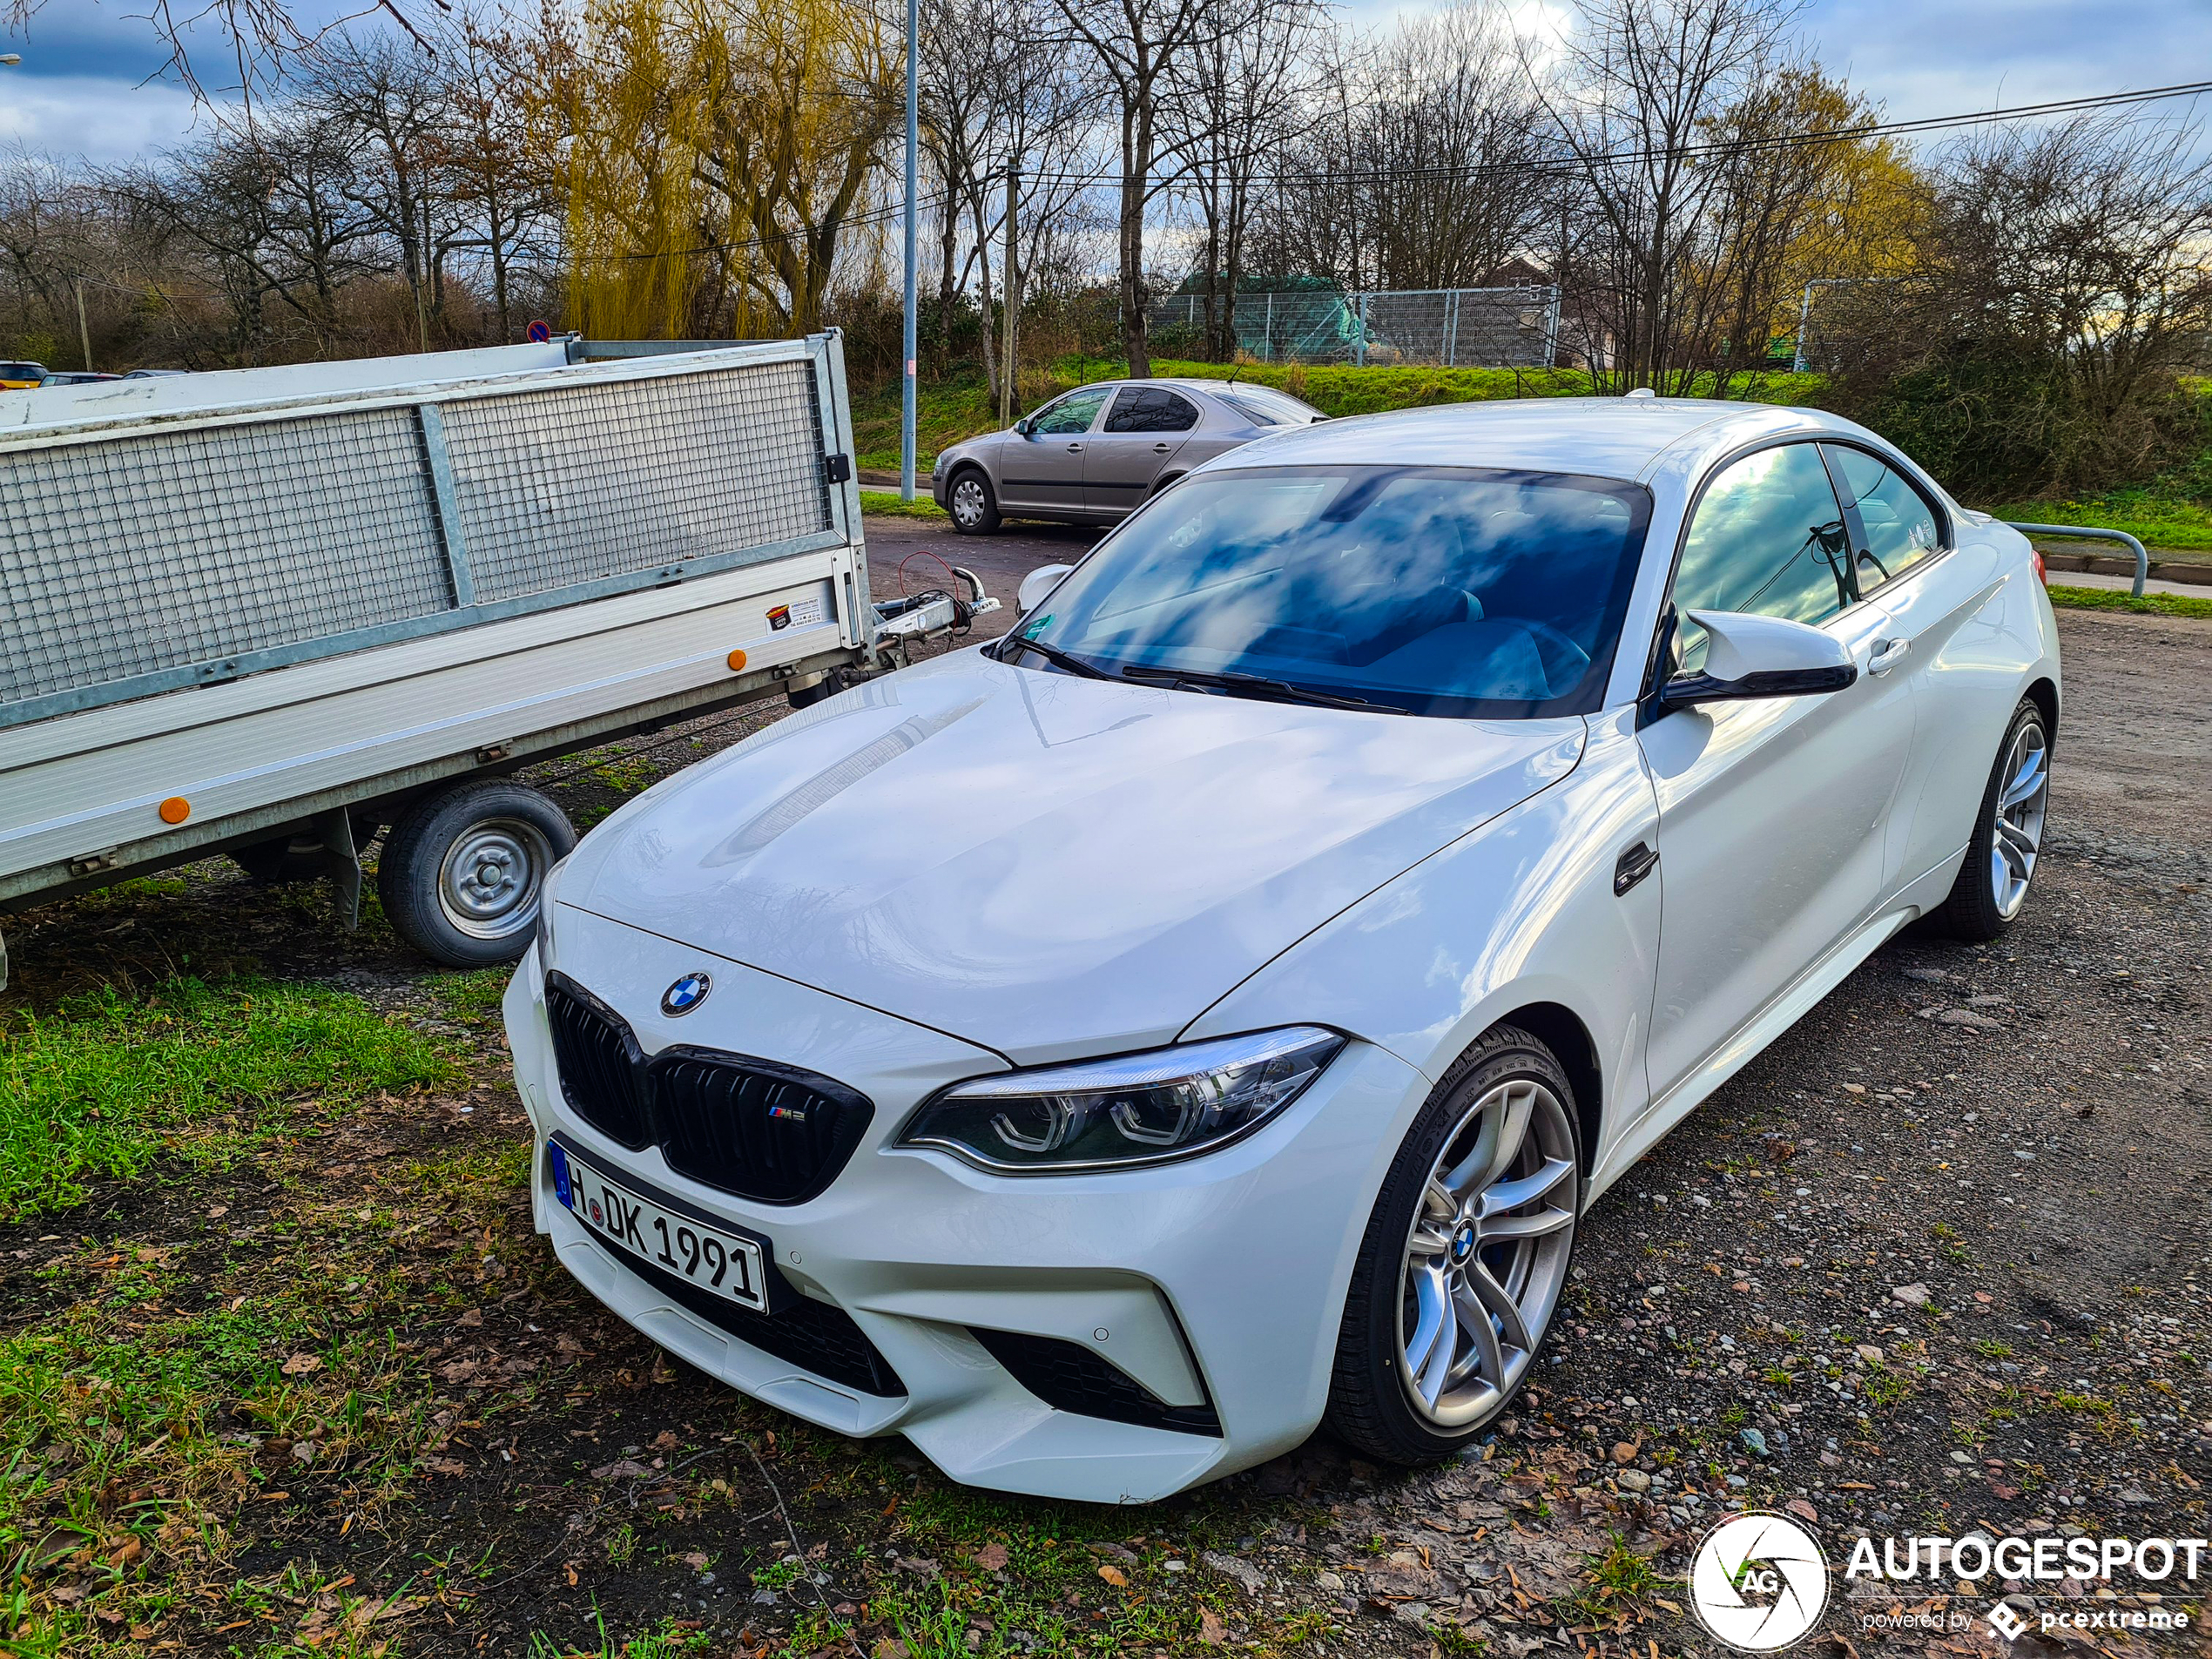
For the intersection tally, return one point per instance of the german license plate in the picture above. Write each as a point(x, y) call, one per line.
point(722, 1262)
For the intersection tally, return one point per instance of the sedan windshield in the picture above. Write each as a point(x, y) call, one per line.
point(1419, 589)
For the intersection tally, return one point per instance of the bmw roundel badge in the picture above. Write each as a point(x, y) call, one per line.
point(685, 994)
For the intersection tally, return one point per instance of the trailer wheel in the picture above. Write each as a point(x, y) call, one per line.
point(822, 690)
point(464, 871)
point(295, 858)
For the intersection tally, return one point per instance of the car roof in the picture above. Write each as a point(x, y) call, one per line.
point(1609, 437)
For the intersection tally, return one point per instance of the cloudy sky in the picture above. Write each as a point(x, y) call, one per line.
point(83, 87)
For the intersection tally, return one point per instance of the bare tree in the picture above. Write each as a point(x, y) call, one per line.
point(1135, 48)
point(1241, 101)
point(1635, 97)
point(385, 95)
point(272, 206)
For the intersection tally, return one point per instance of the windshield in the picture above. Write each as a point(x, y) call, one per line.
point(1426, 589)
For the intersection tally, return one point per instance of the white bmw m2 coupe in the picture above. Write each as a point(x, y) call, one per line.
point(1105, 1056)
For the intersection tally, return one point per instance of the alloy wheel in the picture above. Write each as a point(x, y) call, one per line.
point(969, 501)
point(2016, 837)
point(1486, 1257)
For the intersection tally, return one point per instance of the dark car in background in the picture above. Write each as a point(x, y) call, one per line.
point(1096, 453)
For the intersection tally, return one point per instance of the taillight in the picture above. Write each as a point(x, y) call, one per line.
point(2042, 572)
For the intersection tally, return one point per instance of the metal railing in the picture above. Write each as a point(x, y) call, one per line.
point(2143, 554)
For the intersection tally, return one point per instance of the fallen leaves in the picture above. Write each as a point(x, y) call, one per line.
point(991, 1557)
point(1114, 1576)
point(301, 1364)
point(1211, 1630)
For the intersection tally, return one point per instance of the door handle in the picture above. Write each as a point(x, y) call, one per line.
point(1162, 448)
point(1888, 655)
point(1075, 448)
point(1633, 866)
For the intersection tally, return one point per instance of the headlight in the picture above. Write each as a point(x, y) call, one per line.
point(1131, 1110)
point(541, 929)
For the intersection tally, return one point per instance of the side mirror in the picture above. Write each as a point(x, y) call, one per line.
point(1022, 427)
point(1750, 656)
point(1037, 586)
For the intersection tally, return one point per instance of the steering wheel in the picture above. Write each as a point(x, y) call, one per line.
point(1558, 651)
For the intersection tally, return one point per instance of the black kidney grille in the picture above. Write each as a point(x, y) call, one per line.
point(598, 1062)
point(751, 1128)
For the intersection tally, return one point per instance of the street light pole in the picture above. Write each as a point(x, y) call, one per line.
point(913, 136)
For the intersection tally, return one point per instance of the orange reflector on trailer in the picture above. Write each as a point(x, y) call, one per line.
point(737, 661)
point(175, 809)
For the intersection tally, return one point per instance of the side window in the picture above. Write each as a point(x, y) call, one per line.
point(1901, 525)
point(1072, 414)
point(1768, 537)
point(1147, 409)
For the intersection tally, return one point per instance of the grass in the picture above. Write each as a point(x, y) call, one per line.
point(886, 503)
point(2156, 520)
point(2151, 605)
point(108, 1083)
point(157, 1425)
point(1342, 390)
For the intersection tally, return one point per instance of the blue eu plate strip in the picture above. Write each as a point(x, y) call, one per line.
point(560, 1174)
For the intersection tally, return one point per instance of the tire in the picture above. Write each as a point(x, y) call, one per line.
point(1992, 884)
point(464, 871)
point(820, 691)
point(294, 858)
point(1373, 1401)
point(973, 507)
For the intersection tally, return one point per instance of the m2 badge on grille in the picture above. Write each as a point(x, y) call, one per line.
point(721, 1263)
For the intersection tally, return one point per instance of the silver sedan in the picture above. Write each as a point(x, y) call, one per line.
point(1095, 454)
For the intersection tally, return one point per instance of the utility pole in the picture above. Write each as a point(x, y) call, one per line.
point(83, 334)
point(914, 137)
point(1007, 396)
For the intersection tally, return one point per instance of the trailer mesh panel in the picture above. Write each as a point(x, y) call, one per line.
point(157, 552)
point(171, 554)
point(562, 486)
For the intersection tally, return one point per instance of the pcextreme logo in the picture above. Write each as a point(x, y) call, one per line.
point(1758, 1581)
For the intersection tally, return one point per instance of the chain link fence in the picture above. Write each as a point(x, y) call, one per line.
point(1514, 327)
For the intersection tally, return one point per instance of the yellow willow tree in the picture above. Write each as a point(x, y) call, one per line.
point(717, 155)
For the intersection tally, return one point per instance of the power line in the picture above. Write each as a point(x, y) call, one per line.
point(1571, 164)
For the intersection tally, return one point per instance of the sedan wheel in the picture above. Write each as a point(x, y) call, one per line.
point(1481, 1207)
point(974, 513)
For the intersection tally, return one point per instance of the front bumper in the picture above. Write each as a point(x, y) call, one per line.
point(1215, 1283)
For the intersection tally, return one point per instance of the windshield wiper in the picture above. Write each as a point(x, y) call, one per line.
point(1281, 689)
point(1052, 654)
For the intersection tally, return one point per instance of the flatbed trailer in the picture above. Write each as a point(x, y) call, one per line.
point(277, 613)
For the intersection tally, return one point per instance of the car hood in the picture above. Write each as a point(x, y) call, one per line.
point(1044, 865)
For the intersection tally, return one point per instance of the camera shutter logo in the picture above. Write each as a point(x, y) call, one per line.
point(1758, 1582)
